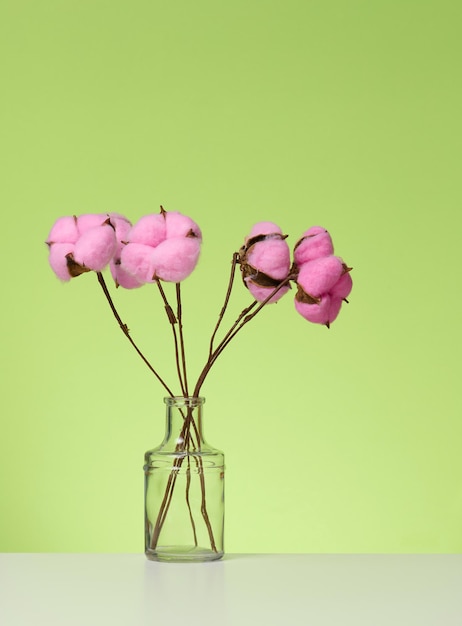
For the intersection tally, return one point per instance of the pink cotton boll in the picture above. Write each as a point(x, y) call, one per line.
point(175, 259)
point(261, 293)
point(323, 313)
point(118, 216)
point(122, 278)
point(315, 313)
point(58, 261)
point(270, 256)
point(342, 287)
point(179, 225)
point(149, 230)
point(64, 230)
point(334, 308)
point(315, 243)
point(87, 221)
point(121, 226)
point(95, 248)
point(135, 259)
point(264, 228)
point(319, 276)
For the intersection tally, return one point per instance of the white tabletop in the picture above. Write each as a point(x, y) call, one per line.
point(126, 589)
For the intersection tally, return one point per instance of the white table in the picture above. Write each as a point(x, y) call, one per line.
point(301, 589)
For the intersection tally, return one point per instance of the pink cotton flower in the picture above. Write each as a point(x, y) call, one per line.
point(263, 228)
point(135, 260)
point(342, 287)
point(319, 276)
point(57, 259)
point(95, 248)
point(322, 286)
point(121, 226)
point(316, 242)
point(174, 259)
point(270, 256)
point(121, 278)
point(265, 261)
point(64, 230)
point(261, 293)
point(163, 246)
point(150, 230)
point(88, 221)
point(61, 241)
point(179, 225)
point(84, 243)
point(325, 312)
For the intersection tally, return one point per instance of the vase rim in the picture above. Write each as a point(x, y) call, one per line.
point(184, 400)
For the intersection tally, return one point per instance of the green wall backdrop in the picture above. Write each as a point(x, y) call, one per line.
point(303, 112)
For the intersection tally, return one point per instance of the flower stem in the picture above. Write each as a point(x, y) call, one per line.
point(186, 439)
point(188, 487)
point(243, 319)
point(126, 332)
point(227, 297)
point(173, 320)
point(179, 314)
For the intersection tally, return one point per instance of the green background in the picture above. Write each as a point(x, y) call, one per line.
point(344, 114)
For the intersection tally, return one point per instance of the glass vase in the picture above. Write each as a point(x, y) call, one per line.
point(184, 489)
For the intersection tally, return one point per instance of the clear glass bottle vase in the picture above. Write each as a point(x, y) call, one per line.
point(184, 489)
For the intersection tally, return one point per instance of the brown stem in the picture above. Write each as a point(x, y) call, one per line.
point(204, 512)
point(188, 487)
point(185, 436)
point(179, 314)
point(172, 319)
point(243, 319)
point(126, 332)
point(228, 294)
point(165, 503)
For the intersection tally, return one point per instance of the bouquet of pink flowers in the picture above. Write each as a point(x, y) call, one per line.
point(165, 248)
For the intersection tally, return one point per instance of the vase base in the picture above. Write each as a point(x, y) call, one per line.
point(182, 554)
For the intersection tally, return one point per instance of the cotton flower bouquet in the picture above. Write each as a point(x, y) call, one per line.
point(165, 248)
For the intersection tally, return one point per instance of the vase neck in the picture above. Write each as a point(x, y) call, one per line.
point(184, 423)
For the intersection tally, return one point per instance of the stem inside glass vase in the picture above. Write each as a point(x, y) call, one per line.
point(184, 489)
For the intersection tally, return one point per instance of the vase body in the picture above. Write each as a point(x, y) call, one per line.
point(184, 489)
